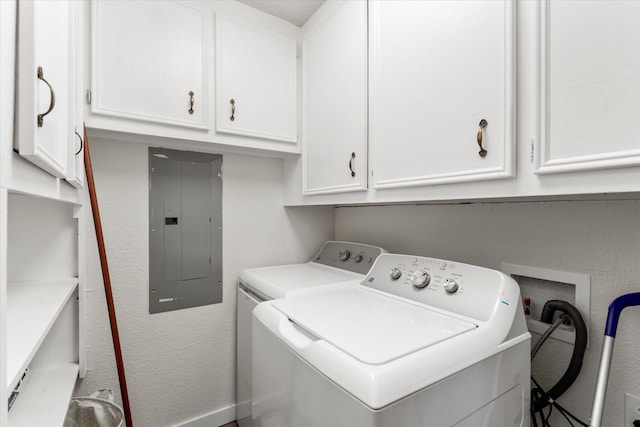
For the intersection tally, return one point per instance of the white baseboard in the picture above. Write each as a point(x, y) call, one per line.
point(216, 418)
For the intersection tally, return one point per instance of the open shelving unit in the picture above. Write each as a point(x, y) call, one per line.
point(45, 400)
point(40, 307)
point(32, 310)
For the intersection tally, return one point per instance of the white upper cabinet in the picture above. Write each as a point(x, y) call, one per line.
point(44, 96)
point(438, 70)
point(590, 78)
point(334, 94)
point(149, 62)
point(255, 81)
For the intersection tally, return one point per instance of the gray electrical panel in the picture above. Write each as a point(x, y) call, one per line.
point(185, 229)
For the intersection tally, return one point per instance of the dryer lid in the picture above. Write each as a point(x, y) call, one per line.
point(286, 280)
point(371, 327)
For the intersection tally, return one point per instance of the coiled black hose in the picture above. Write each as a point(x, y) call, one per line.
point(579, 347)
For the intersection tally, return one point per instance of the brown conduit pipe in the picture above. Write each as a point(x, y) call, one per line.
point(107, 281)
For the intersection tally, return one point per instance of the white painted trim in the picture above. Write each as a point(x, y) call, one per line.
point(216, 418)
point(448, 178)
point(335, 189)
point(4, 228)
point(80, 214)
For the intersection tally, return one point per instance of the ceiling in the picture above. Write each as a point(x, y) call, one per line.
point(295, 11)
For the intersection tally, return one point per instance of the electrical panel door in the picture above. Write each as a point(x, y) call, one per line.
point(185, 235)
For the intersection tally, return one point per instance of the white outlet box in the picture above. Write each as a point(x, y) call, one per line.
point(582, 296)
point(631, 409)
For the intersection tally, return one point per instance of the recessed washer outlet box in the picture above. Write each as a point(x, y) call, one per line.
point(631, 409)
point(541, 285)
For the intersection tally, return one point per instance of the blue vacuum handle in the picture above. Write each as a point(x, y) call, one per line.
point(615, 309)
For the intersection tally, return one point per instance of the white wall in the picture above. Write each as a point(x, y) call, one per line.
point(598, 238)
point(180, 365)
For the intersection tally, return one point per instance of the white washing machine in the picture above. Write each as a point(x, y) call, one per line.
point(337, 264)
point(419, 342)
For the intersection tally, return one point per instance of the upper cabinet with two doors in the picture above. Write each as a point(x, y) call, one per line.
point(217, 72)
point(456, 102)
point(426, 97)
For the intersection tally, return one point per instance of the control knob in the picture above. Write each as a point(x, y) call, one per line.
point(420, 279)
point(344, 255)
point(395, 273)
point(357, 258)
point(451, 286)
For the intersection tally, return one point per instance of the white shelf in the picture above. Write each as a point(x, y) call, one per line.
point(45, 398)
point(32, 308)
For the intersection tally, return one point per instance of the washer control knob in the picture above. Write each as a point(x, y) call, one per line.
point(344, 255)
point(420, 279)
point(451, 286)
point(395, 273)
point(357, 258)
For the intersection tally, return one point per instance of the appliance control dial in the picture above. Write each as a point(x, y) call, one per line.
point(357, 258)
point(395, 273)
point(420, 279)
point(344, 255)
point(451, 286)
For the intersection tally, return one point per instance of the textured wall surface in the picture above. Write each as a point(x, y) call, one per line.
point(598, 238)
point(180, 365)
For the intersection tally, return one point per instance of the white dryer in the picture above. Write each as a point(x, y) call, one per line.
point(419, 342)
point(338, 264)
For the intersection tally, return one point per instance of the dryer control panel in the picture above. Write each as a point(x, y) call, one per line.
point(355, 257)
point(468, 290)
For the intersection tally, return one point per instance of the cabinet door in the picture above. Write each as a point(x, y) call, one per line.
point(439, 68)
point(76, 155)
point(149, 61)
point(255, 81)
point(590, 76)
point(44, 95)
point(334, 73)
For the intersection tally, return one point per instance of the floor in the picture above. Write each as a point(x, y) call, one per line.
point(233, 424)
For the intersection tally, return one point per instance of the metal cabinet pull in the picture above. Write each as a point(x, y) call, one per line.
point(233, 110)
point(482, 152)
point(53, 98)
point(353, 156)
point(81, 143)
point(191, 101)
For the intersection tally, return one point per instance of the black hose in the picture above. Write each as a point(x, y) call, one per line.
point(579, 347)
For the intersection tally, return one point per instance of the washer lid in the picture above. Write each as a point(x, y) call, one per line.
point(370, 326)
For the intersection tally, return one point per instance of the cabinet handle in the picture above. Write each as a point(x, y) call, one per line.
point(53, 98)
point(191, 101)
point(81, 143)
point(482, 152)
point(353, 156)
point(233, 110)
